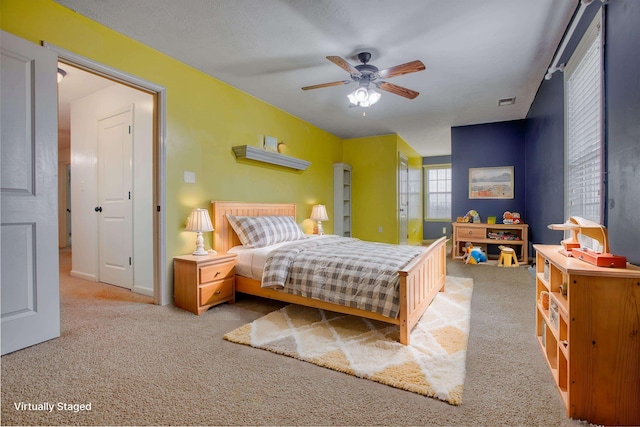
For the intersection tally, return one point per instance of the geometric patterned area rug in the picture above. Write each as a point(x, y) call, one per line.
point(433, 365)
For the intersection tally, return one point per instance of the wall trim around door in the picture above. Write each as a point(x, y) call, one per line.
point(161, 289)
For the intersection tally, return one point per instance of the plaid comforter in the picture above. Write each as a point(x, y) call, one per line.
point(340, 270)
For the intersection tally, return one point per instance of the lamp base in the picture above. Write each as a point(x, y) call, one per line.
point(320, 230)
point(200, 251)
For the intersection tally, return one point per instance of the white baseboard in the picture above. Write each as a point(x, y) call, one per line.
point(85, 276)
point(143, 291)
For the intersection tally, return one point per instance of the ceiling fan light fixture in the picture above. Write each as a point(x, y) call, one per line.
point(361, 94)
point(374, 96)
point(364, 97)
point(366, 74)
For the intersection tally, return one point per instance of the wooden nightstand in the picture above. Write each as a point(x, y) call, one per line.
point(200, 282)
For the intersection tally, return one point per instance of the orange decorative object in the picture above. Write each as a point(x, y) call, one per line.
point(600, 259)
point(595, 231)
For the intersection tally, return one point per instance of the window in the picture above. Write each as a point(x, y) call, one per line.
point(437, 194)
point(583, 118)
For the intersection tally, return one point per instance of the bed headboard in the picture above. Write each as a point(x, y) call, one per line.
point(224, 238)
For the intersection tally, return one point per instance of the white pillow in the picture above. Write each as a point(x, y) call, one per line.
point(260, 231)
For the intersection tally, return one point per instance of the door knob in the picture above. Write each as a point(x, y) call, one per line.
point(98, 209)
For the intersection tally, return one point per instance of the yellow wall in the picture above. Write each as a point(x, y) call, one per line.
point(415, 191)
point(204, 119)
point(373, 187)
point(374, 161)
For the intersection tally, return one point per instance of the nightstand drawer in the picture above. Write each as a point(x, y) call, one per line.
point(210, 273)
point(468, 232)
point(209, 294)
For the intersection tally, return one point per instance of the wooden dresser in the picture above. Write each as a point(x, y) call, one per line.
point(200, 282)
point(483, 235)
point(590, 335)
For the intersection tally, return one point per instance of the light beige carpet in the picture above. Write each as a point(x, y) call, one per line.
point(433, 365)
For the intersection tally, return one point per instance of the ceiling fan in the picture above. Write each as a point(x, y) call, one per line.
point(367, 75)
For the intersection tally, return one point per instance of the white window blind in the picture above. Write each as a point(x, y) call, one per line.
point(437, 184)
point(583, 114)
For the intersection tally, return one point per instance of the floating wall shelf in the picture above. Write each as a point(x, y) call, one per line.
point(260, 155)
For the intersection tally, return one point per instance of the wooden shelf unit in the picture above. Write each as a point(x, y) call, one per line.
point(478, 234)
point(342, 199)
point(592, 340)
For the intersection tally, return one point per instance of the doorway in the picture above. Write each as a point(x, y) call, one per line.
point(403, 199)
point(84, 99)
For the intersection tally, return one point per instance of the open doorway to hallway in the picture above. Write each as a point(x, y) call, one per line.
point(101, 241)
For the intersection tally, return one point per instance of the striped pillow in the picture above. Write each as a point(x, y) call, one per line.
point(260, 231)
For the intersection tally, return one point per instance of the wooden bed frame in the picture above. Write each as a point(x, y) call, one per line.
point(420, 280)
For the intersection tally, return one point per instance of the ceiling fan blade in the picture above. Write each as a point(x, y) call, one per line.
point(342, 82)
point(398, 70)
point(342, 63)
point(398, 90)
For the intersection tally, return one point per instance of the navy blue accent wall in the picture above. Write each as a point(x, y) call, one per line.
point(488, 145)
point(622, 87)
point(544, 136)
point(433, 229)
point(544, 154)
point(535, 146)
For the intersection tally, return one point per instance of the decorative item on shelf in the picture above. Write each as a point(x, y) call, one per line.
point(592, 230)
point(546, 269)
point(507, 217)
point(199, 221)
point(271, 144)
point(553, 313)
point(515, 216)
point(491, 220)
point(544, 299)
point(319, 214)
point(472, 216)
point(563, 289)
point(462, 219)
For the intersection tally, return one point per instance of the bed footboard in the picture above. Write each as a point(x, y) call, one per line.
point(420, 282)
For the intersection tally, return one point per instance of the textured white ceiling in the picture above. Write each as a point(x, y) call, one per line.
point(475, 53)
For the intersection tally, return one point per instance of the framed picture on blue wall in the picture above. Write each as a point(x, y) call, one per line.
point(491, 183)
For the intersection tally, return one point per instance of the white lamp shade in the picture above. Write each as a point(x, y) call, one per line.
point(199, 220)
point(319, 213)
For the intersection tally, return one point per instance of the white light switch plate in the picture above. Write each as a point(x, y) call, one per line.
point(190, 177)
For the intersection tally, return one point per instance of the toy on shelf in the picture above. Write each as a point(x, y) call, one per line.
point(473, 255)
point(472, 216)
point(598, 232)
point(511, 218)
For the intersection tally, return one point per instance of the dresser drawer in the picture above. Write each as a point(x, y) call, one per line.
point(210, 273)
point(210, 294)
point(470, 233)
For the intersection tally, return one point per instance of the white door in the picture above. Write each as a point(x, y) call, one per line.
point(115, 227)
point(29, 282)
point(403, 200)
